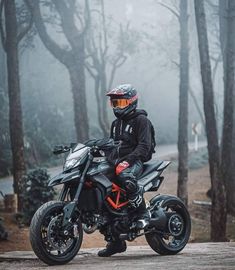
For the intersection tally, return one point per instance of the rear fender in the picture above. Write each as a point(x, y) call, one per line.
point(163, 166)
point(159, 200)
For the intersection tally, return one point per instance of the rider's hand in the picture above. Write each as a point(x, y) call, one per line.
point(121, 166)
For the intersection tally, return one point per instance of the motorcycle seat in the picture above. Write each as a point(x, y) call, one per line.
point(151, 166)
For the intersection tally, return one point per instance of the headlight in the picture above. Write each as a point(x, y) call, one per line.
point(76, 157)
point(69, 164)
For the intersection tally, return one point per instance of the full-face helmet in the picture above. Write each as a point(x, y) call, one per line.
point(123, 99)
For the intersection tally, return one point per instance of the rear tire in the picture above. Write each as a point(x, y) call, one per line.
point(169, 243)
point(46, 236)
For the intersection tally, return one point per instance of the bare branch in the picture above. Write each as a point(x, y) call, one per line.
point(2, 33)
point(175, 63)
point(87, 17)
point(89, 69)
point(112, 75)
point(122, 61)
point(72, 33)
point(115, 66)
point(170, 9)
point(104, 29)
point(25, 29)
point(209, 2)
point(79, 18)
point(214, 70)
point(62, 55)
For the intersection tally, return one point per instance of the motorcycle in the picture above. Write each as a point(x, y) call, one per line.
point(91, 199)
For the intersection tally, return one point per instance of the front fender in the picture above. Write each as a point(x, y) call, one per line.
point(63, 178)
point(56, 180)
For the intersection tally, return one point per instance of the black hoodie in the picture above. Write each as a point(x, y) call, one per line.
point(134, 132)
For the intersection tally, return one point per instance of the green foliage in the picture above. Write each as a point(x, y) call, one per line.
point(45, 125)
point(3, 232)
point(35, 192)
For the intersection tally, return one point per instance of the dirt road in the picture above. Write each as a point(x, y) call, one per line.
point(195, 256)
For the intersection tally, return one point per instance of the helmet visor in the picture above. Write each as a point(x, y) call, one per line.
point(121, 102)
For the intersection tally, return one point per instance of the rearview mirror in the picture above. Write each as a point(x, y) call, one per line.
point(58, 149)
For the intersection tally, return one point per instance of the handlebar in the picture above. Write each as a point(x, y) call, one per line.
point(101, 144)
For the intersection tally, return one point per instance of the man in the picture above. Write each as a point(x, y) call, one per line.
point(133, 129)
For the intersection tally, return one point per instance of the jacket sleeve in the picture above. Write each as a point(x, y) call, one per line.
point(111, 131)
point(144, 141)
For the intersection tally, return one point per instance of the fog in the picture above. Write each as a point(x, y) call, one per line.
point(152, 69)
point(145, 35)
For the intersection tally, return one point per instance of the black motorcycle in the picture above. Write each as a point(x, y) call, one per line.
point(91, 199)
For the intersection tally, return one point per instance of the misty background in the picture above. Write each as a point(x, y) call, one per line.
point(58, 59)
point(151, 68)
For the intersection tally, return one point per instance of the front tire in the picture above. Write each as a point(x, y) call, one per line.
point(176, 235)
point(47, 238)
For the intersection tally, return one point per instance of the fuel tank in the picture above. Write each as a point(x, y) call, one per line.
point(101, 166)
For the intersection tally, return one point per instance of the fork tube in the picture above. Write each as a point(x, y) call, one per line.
point(63, 193)
point(69, 208)
point(82, 180)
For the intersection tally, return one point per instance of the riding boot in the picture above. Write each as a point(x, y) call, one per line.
point(143, 215)
point(112, 248)
point(142, 212)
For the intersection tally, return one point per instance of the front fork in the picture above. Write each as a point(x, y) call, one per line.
point(70, 207)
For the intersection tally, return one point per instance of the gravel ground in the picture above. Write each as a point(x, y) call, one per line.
point(194, 256)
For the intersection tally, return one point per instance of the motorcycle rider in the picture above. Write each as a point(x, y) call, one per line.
point(134, 130)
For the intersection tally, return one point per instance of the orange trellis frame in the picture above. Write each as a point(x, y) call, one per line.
point(116, 204)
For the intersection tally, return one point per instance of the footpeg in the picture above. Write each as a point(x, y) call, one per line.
point(127, 236)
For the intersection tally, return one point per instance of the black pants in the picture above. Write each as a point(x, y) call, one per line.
point(128, 180)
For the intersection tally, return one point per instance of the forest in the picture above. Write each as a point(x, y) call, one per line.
point(59, 58)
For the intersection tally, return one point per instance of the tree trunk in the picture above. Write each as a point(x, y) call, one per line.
point(182, 190)
point(99, 100)
point(229, 99)
point(78, 82)
point(232, 206)
point(218, 210)
point(73, 59)
point(223, 8)
point(103, 98)
point(15, 113)
point(3, 111)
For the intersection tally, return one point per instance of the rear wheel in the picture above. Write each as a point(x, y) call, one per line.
point(50, 242)
point(177, 232)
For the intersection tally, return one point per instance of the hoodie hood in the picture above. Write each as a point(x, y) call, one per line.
point(134, 114)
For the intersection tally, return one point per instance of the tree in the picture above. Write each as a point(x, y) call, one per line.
point(182, 191)
point(11, 37)
point(102, 56)
point(72, 56)
point(182, 16)
point(228, 50)
point(5, 153)
point(218, 210)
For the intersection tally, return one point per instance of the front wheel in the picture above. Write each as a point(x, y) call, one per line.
point(177, 232)
point(51, 243)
